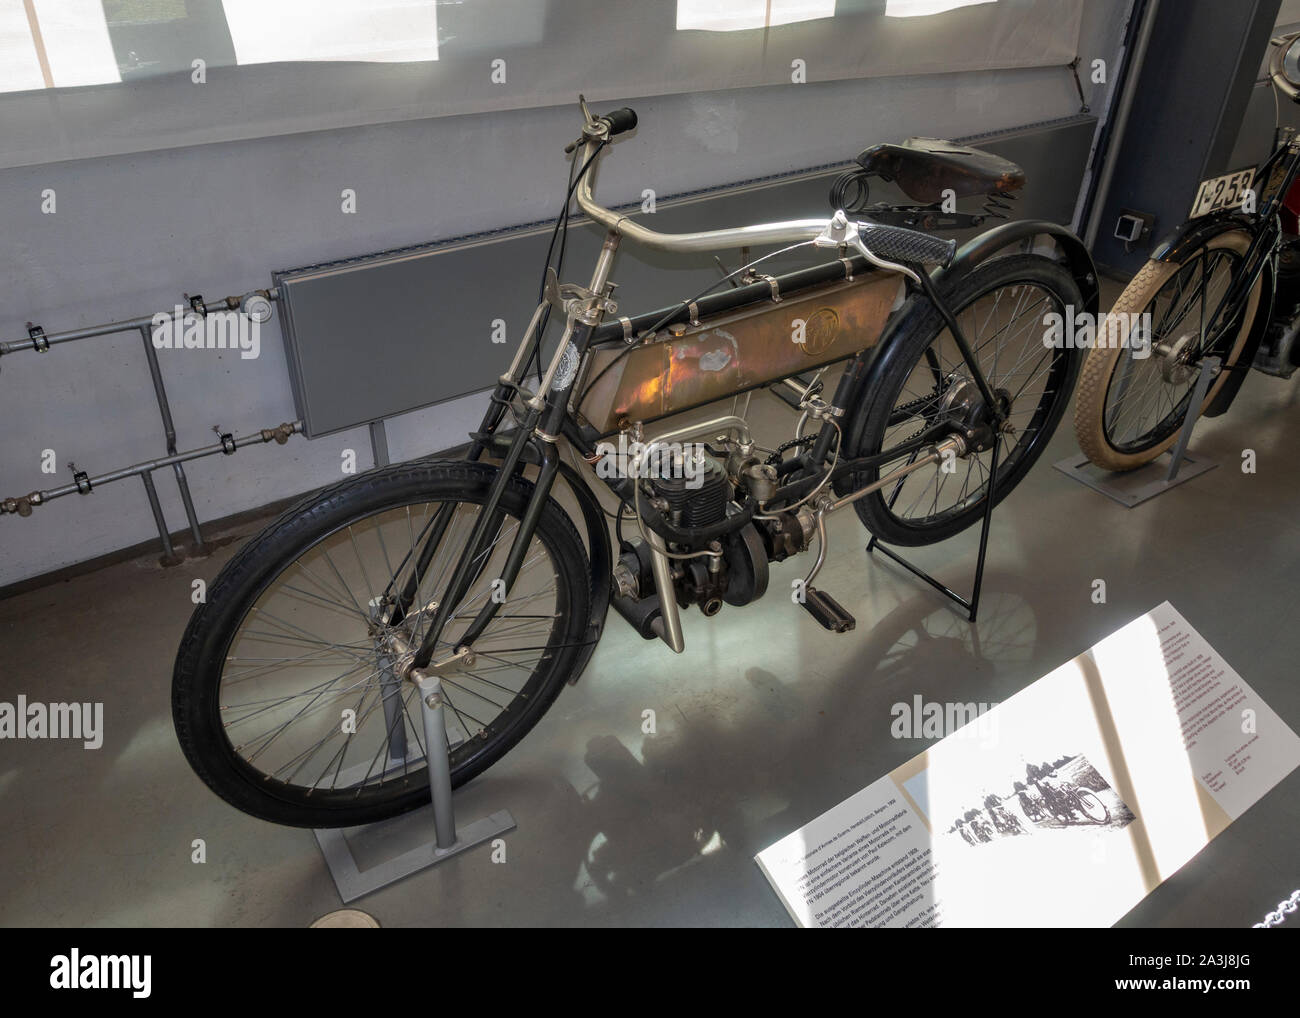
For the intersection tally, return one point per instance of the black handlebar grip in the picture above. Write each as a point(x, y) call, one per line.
point(909, 246)
point(619, 121)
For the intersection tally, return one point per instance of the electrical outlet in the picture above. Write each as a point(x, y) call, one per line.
point(1133, 226)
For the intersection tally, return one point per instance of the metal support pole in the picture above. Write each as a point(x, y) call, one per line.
point(1209, 368)
point(971, 604)
point(435, 753)
point(984, 528)
point(169, 431)
point(168, 551)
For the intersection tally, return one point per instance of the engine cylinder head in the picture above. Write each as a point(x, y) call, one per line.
point(697, 490)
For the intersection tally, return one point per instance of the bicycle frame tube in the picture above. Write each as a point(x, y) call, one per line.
point(789, 232)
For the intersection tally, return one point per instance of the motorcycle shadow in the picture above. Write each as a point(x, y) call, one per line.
point(732, 771)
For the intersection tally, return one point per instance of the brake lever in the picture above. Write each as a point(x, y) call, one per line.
point(840, 232)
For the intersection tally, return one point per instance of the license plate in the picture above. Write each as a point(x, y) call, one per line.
point(1222, 192)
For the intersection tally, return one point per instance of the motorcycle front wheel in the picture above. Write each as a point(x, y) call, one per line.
point(283, 696)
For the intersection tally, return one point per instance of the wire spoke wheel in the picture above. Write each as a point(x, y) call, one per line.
point(291, 689)
point(1149, 391)
point(1135, 391)
point(1000, 308)
point(1092, 807)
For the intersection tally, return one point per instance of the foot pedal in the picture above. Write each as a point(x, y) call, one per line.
point(826, 610)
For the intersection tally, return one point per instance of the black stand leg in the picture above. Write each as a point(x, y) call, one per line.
point(972, 605)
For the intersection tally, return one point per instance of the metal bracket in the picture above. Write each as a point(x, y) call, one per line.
point(1134, 487)
point(40, 342)
point(351, 881)
point(81, 479)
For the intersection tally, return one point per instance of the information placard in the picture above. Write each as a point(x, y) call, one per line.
point(1066, 804)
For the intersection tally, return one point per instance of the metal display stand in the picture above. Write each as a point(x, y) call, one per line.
point(971, 604)
point(1134, 487)
point(353, 882)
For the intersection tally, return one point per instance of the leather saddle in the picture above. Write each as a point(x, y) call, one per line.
point(925, 167)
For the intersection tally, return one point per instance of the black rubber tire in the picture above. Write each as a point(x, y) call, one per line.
point(898, 356)
point(1083, 794)
point(213, 626)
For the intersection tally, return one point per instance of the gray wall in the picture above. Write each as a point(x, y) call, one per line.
point(132, 232)
point(1190, 98)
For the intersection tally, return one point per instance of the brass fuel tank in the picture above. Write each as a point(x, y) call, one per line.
point(735, 351)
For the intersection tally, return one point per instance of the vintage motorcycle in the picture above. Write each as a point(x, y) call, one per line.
point(1004, 821)
point(1062, 801)
point(1225, 285)
point(293, 686)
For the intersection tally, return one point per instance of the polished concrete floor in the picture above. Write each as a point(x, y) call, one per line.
point(763, 723)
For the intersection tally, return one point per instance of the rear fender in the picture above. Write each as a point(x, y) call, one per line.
point(862, 373)
point(1177, 246)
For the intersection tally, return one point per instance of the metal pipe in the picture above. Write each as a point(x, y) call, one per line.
point(708, 240)
point(158, 517)
point(159, 390)
point(954, 444)
point(188, 504)
point(54, 338)
point(710, 427)
point(128, 325)
point(671, 629)
point(148, 466)
point(169, 432)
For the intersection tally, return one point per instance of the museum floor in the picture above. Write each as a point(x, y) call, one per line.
point(763, 723)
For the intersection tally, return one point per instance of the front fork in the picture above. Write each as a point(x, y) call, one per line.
point(543, 418)
point(478, 548)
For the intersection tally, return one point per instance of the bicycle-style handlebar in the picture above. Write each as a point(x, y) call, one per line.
point(890, 243)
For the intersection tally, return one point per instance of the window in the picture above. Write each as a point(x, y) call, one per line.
point(63, 43)
point(738, 15)
point(921, 8)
